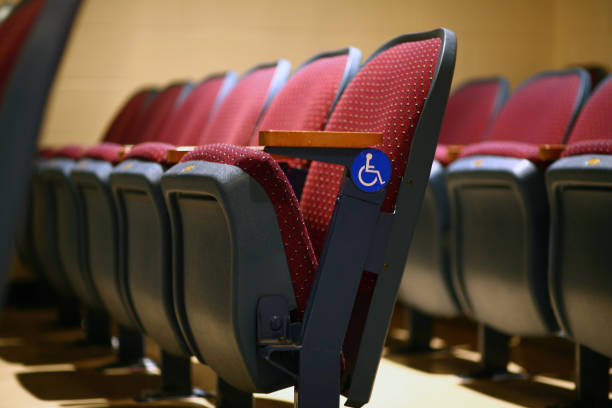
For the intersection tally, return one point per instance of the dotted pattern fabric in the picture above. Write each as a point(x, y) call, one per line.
point(104, 151)
point(266, 171)
point(13, 33)
point(306, 99)
point(302, 104)
point(151, 151)
point(593, 130)
point(186, 126)
point(538, 113)
point(127, 113)
point(235, 119)
point(469, 113)
point(387, 96)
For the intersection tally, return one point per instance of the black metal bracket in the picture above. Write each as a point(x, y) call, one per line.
point(277, 336)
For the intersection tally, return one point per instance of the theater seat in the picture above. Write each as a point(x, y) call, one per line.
point(580, 195)
point(267, 285)
point(426, 284)
point(58, 229)
point(184, 108)
point(499, 214)
point(143, 223)
point(33, 39)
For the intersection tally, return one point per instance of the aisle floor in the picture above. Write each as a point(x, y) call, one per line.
point(41, 367)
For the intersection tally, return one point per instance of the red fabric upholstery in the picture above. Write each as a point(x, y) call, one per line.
point(157, 113)
point(594, 146)
point(509, 149)
point(104, 151)
point(302, 104)
point(593, 130)
point(151, 151)
point(266, 171)
point(398, 77)
point(306, 99)
point(45, 152)
point(235, 119)
point(442, 154)
point(540, 112)
point(70, 151)
point(468, 116)
point(186, 126)
point(13, 34)
point(126, 114)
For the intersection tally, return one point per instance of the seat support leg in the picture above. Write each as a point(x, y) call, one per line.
point(230, 397)
point(592, 378)
point(131, 346)
point(494, 347)
point(318, 384)
point(68, 313)
point(175, 380)
point(421, 332)
point(97, 328)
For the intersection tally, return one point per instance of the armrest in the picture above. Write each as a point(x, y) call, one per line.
point(175, 155)
point(330, 147)
point(307, 138)
point(453, 151)
point(549, 152)
point(123, 152)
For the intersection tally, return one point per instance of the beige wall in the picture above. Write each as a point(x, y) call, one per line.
point(118, 45)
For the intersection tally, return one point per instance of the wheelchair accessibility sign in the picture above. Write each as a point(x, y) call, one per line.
point(371, 170)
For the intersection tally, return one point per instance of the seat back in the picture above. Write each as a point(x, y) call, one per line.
point(235, 119)
point(306, 100)
point(471, 110)
point(414, 73)
point(157, 113)
point(185, 126)
point(593, 129)
point(32, 42)
point(542, 109)
point(128, 112)
point(14, 32)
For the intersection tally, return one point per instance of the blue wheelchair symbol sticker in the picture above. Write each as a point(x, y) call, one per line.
point(371, 170)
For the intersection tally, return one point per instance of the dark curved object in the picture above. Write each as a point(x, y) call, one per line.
point(22, 107)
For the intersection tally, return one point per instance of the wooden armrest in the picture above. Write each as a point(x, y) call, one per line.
point(175, 155)
point(123, 152)
point(548, 152)
point(301, 138)
point(453, 151)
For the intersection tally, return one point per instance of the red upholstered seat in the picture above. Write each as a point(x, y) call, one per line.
point(540, 112)
point(161, 109)
point(13, 34)
point(469, 114)
point(186, 126)
point(593, 129)
point(74, 152)
point(369, 103)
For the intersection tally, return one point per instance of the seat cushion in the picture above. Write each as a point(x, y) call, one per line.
point(265, 170)
point(593, 146)
point(519, 150)
point(150, 151)
point(74, 152)
point(104, 151)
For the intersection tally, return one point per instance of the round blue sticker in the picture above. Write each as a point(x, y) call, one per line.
point(371, 170)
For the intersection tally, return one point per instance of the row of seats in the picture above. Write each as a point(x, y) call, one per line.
point(214, 256)
point(513, 230)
